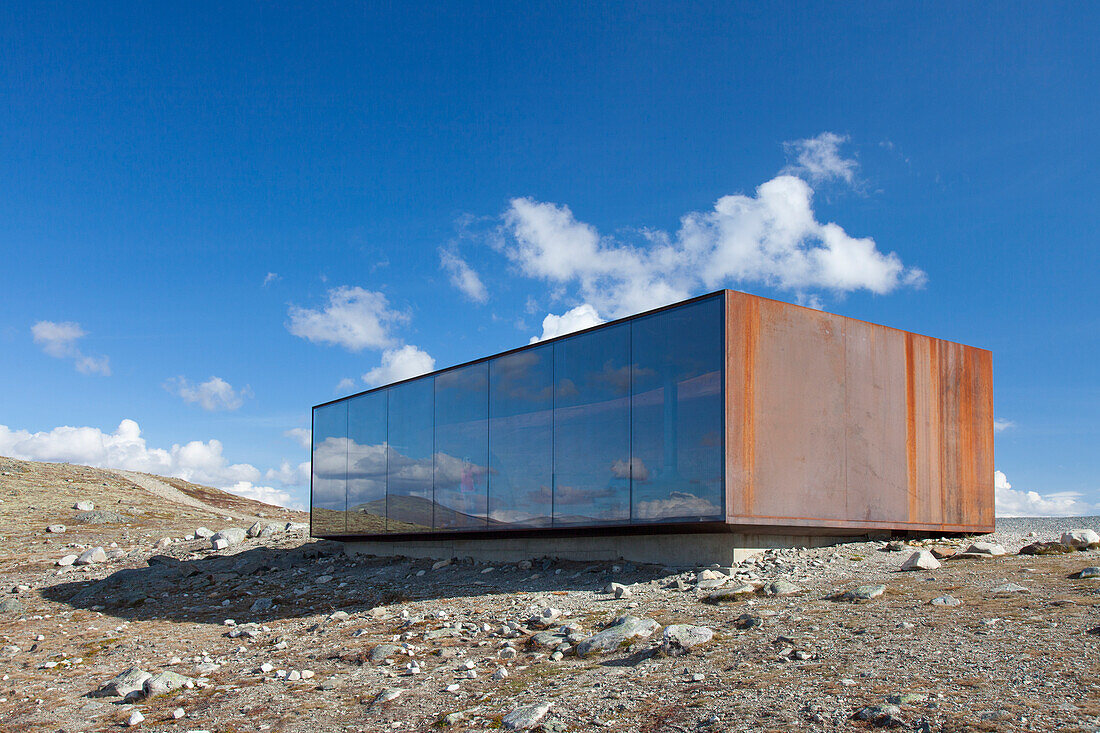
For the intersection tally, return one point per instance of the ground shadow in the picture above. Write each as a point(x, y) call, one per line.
point(264, 584)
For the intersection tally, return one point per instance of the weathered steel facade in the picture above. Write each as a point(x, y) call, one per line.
point(726, 413)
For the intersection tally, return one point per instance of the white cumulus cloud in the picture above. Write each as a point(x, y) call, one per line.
point(1001, 425)
point(397, 364)
point(353, 317)
point(214, 394)
point(772, 237)
point(1012, 502)
point(301, 436)
point(462, 276)
point(819, 159)
point(271, 277)
point(198, 461)
point(59, 341)
point(575, 319)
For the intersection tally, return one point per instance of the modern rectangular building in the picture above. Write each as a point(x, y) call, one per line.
point(729, 415)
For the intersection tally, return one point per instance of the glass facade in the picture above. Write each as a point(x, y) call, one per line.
point(619, 425)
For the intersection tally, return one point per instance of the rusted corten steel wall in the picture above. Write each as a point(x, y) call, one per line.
point(836, 423)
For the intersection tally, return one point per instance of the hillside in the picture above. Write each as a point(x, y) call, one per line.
point(285, 634)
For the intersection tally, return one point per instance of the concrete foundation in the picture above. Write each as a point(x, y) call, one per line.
point(671, 550)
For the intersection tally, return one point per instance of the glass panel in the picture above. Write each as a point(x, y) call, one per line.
point(409, 472)
point(330, 469)
point(521, 438)
point(367, 464)
point(461, 447)
point(676, 457)
point(592, 427)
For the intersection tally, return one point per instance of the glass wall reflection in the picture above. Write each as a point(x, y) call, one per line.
point(330, 469)
point(592, 427)
point(521, 438)
point(409, 476)
point(621, 424)
point(462, 447)
point(367, 463)
point(676, 396)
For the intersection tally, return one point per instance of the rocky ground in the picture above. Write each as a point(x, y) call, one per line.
point(153, 628)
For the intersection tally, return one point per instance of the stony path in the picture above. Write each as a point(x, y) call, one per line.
point(160, 489)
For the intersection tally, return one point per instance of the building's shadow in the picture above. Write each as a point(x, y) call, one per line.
point(315, 578)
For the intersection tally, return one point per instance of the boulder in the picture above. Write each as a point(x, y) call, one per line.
point(1081, 539)
point(983, 549)
point(1089, 572)
point(382, 652)
point(91, 556)
point(11, 605)
point(1046, 548)
point(726, 595)
point(66, 561)
point(683, 638)
point(203, 533)
point(164, 682)
point(255, 529)
point(780, 588)
point(544, 618)
point(126, 683)
point(525, 717)
point(921, 560)
point(232, 536)
point(611, 638)
point(859, 593)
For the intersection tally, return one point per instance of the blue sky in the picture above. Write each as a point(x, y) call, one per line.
point(213, 218)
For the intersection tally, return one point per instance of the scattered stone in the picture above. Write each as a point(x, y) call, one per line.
point(525, 717)
point(232, 536)
point(942, 552)
point(921, 560)
point(164, 682)
point(726, 595)
point(1089, 572)
point(1009, 588)
point(91, 556)
point(84, 506)
point(56, 529)
point(945, 600)
point(260, 605)
point(11, 605)
point(618, 590)
point(100, 516)
point(545, 618)
point(982, 549)
point(135, 718)
point(780, 588)
point(164, 543)
point(881, 716)
point(388, 694)
point(66, 561)
point(859, 593)
point(382, 652)
point(127, 683)
point(747, 621)
point(684, 638)
point(611, 638)
point(1081, 539)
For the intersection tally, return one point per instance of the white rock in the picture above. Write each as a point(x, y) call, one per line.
point(307, 674)
point(84, 506)
point(56, 529)
point(526, 717)
point(255, 529)
point(219, 543)
point(66, 561)
point(203, 533)
point(921, 560)
point(500, 674)
point(135, 718)
point(985, 548)
point(178, 713)
point(294, 675)
point(164, 543)
point(440, 564)
point(1080, 538)
point(91, 555)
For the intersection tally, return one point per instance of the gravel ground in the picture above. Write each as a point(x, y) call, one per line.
point(284, 633)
